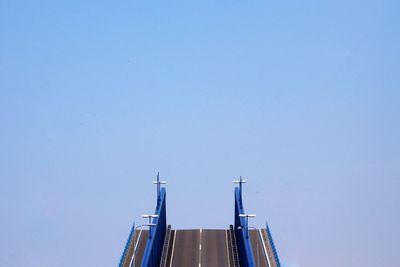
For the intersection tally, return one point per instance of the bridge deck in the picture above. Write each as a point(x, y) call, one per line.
point(209, 248)
point(258, 249)
point(199, 248)
point(140, 245)
point(259, 241)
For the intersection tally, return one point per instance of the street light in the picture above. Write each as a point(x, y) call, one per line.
point(158, 183)
point(240, 182)
point(247, 216)
point(150, 216)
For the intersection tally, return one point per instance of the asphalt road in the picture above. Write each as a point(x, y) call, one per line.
point(197, 248)
point(215, 248)
point(204, 248)
point(258, 250)
point(140, 248)
point(268, 247)
point(185, 248)
point(258, 242)
point(140, 245)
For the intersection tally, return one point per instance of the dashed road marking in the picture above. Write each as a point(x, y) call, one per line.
point(201, 230)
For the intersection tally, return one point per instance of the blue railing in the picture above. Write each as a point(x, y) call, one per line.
point(273, 247)
point(128, 242)
point(245, 251)
point(153, 251)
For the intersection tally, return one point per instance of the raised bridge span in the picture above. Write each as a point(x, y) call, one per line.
point(164, 246)
point(205, 247)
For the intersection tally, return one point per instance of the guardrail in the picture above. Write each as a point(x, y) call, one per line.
point(245, 251)
point(273, 247)
point(154, 247)
point(128, 242)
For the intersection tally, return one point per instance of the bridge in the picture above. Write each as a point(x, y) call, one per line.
point(157, 244)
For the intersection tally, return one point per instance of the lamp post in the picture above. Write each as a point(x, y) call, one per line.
point(158, 183)
point(240, 182)
point(150, 216)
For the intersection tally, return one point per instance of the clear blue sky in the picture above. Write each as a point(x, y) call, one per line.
point(300, 97)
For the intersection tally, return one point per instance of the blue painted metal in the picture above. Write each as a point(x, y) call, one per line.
point(245, 250)
point(128, 242)
point(154, 246)
point(273, 247)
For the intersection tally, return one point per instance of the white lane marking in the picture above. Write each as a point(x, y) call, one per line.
point(227, 248)
point(173, 248)
point(135, 248)
point(201, 230)
point(265, 249)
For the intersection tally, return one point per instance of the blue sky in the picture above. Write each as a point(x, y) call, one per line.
point(300, 97)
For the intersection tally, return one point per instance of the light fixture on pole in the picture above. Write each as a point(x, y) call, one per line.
point(150, 216)
point(247, 216)
point(240, 182)
point(158, 183)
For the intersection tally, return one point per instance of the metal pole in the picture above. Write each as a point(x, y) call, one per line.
point(158, 182)
point(158, 187)
point(240, 182)
point(247, 227)
point(240, 189)
point(149, 227)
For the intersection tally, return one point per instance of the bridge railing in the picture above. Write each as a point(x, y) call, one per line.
point(154, 247)
point(273, 247)
point(128, 242)
point(245, 251)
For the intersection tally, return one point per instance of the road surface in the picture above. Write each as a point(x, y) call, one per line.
point(262, 245)
point(138, 244)
point(209, 248)
point(203, 248)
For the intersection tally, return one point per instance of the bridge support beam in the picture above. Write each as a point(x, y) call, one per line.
point(245, 250)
